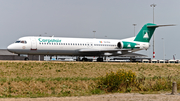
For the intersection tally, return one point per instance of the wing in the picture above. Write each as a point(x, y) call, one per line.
point(110, 52)
point(100, 50)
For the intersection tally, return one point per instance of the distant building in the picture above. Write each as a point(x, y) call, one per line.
point(6, 55)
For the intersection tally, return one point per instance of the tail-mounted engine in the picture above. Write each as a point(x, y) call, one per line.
point(132, 45)
point(126, 45)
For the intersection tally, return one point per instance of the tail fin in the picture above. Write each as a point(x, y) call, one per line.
point(147, 31)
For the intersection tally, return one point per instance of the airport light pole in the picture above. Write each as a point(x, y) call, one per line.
point(153, 5)
point(134, 28)
point(94, 33)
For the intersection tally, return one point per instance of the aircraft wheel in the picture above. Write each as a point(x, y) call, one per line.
point(84, 59)
point(26, 58)
point(99, 59)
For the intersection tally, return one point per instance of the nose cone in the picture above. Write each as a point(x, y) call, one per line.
point(10, 48)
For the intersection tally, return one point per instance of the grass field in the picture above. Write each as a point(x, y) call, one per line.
point(43, 79)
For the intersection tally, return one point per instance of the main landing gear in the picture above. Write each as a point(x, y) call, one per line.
point(79, 59)
point(84, 59)
point(99, 59)
point(26, 58)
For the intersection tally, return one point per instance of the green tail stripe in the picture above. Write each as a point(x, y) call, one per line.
point(145, 33)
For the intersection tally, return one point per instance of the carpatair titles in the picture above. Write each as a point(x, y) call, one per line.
point(49, 40)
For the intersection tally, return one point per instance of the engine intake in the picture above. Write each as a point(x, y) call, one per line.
point(119, 45)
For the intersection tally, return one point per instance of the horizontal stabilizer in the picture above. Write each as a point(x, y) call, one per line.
point(160, 25)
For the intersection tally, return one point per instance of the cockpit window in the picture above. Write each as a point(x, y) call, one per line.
point(21, 41)
point(18, 42)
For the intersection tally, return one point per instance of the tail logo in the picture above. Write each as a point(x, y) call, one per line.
point(146, 35)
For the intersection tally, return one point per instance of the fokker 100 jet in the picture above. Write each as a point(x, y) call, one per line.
point(82, 47)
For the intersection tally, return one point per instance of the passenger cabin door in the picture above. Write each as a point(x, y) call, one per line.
point(33, 44)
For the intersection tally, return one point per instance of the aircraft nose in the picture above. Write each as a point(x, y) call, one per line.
point(10, 48)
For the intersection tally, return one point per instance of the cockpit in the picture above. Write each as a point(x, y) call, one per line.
point(21, 41)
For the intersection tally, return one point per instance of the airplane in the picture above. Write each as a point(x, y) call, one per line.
point(83, 47)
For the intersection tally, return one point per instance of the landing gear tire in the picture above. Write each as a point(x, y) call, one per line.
point(99, 59)
point(26, 58)
point(84, 59)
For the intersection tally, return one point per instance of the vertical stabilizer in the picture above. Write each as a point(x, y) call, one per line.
point(146, 33)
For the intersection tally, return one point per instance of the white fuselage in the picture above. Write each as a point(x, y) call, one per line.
point(67, 46)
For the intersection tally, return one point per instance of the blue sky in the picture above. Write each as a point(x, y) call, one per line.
point(112, 19)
